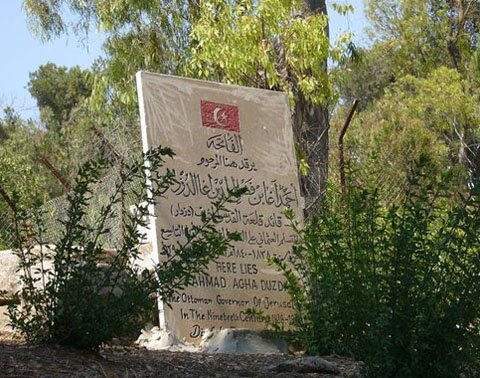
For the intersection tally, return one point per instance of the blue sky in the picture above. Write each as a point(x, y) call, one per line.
point(23, 53)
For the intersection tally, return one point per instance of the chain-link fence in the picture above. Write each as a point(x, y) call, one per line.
point(359, 158)
point(364, 168)
point(55, 210)
point(115, 148)
point(6, 232)
point(361, 165)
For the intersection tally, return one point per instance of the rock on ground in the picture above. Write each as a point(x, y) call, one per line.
point(10, 275)
point(305, 365)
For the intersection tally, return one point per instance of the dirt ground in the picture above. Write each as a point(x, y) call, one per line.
point(17, 359)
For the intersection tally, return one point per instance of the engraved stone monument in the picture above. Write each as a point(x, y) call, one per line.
point(224, 137)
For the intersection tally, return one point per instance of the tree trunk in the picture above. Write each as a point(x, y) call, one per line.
point(311, 124)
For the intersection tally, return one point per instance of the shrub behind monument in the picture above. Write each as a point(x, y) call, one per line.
point(73, 294)
point(395, 285)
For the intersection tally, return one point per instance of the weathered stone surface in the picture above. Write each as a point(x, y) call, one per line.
point(305, 365)
point(10, 275)
point(8, 272)
point(145, 257)
point(224, 137)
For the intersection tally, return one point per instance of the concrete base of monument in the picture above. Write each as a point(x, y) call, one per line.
point(230, 340)
point(243, 341)
point(158, 339)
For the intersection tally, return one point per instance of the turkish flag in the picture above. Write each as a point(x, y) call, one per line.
point(220, 116)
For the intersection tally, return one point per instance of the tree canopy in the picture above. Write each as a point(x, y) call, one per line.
point(58, 91)
point(419, 51)
point(418, 87)
point(277, 45)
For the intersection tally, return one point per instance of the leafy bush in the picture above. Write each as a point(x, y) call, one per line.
point(396, 286)
point(73, 294)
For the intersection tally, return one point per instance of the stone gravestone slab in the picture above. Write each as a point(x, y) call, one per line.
point(224, 137)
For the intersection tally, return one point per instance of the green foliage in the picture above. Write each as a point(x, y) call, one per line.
point(368, 76)
point(414, 34)
point(17, 155)
point(343, 9)
point(412, 38)
point(22, 143)
point(269, 44)
point(396, 286)
point(282, 46)
point(412, 119)
point(418, 86)
point(10, 121)
point(140, 35)
point(58, 91)
point(74, 294)
point(422, 35)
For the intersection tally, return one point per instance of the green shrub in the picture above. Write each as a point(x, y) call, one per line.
point(397, 286)
point(73, 294)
